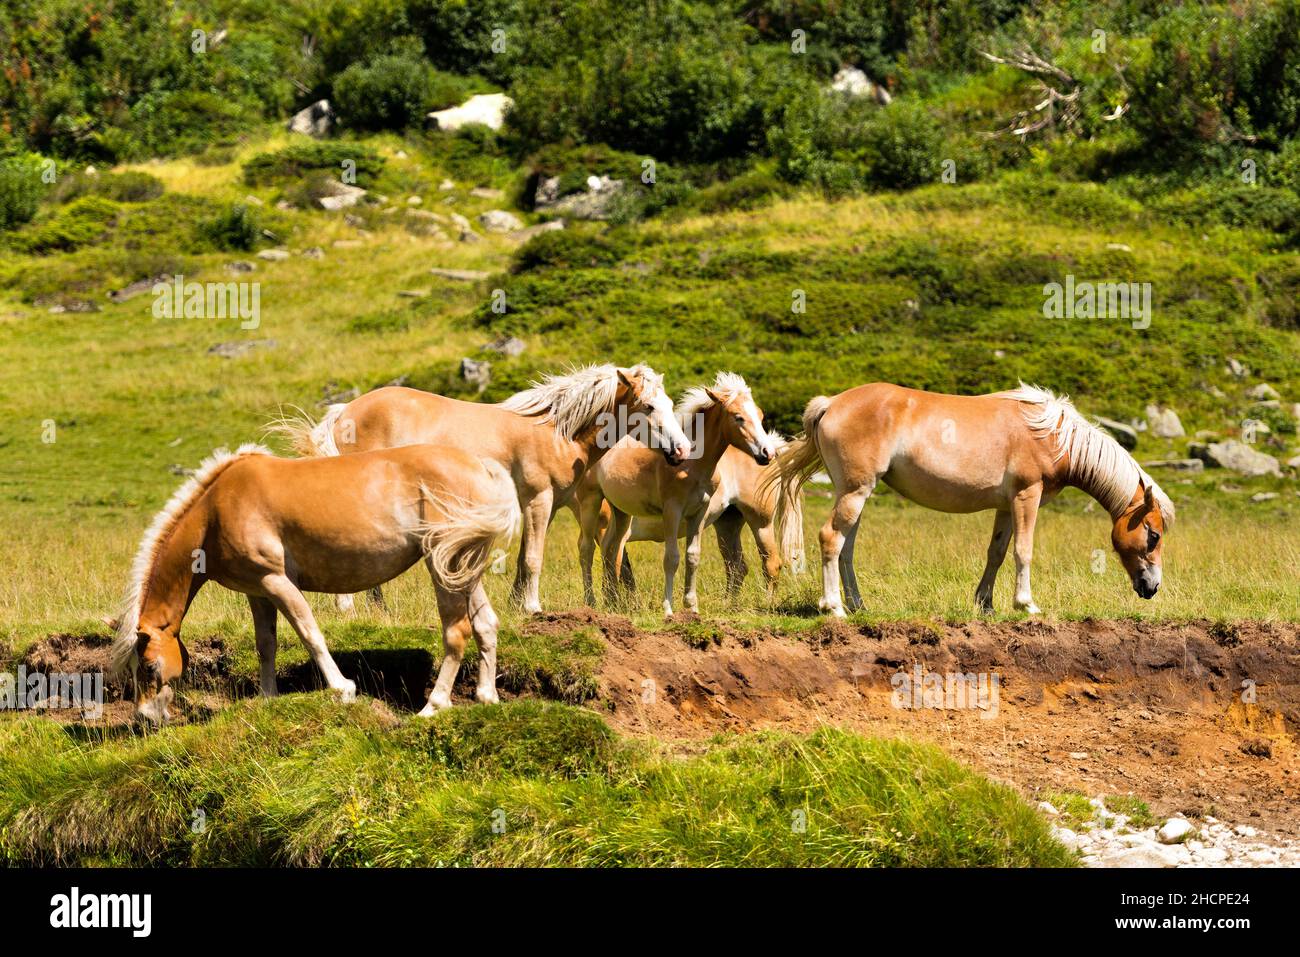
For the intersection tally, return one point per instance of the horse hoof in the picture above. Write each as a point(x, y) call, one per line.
point(487, 697)
point(348, 692)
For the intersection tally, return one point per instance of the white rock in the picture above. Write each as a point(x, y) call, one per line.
point(273, 255)
point(1212, 855)
point(853, 82)
point(1145, 855)
point(1245, 830)
point(500, 221)
point(314, 120)
point(489, 109)
point(1066, 836)
point(1047, 808)
point(1174, 830)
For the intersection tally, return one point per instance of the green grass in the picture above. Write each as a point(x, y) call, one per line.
point(304, 781)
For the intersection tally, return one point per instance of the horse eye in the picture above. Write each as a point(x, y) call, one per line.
point(1153, 539)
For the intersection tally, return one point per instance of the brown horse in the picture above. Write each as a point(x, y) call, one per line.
point(738, 498)
point(273, 528)
point(1009, 451)
point(636, 482)
point(546, 438)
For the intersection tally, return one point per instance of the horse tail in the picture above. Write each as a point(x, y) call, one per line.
point(459, 545)
point(307, 437)
point(795, 464)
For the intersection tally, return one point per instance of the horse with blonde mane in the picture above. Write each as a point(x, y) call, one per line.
point(738, 498)
point(1008, 451)
point(546, 438)
point(636, 482)
point(273, 528)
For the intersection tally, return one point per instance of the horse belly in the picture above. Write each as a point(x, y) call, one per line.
point(945, 489)
point(340, 566)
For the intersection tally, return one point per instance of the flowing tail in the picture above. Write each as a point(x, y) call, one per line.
point(795, 464)
point(307, 437)
point(459, 544)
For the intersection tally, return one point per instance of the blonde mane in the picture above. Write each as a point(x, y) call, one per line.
point(1097, 463)
point(124, 643)
point(726, 385)
point(571, 401)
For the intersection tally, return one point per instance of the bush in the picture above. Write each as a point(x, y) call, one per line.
point(133, 186)
point(567, 249)
point(20, 192)
point(902, 146)
point(389, 92)
point(235, 228)
point(295, 162)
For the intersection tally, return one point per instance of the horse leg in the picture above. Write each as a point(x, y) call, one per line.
point(264, 632)
point(834, 535)
point(485, 623)
point(770, 553)
point(728, 527)
point(453, 610)
point(344, 603)
point(852, 596)
point(672, 553)
point(612, 548)
point(997, 553)
point(376, 596)
point(1024, 513)
point(536, 516)
point(588, 511)
point(626, 578)
point(291, 603)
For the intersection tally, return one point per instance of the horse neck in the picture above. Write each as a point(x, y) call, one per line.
point(172, 580)
point(1095, 485)
point(713, 443)
point(588, 439)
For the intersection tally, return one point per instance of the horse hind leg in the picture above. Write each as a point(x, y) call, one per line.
point(485, 624)
point(728, 528)
point(457, 626)
point(376, 596)
point(264, 616)
point(997, 553)
point(837, 559)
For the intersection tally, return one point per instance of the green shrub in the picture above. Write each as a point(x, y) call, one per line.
point(746, 191)
point(81, 223)
point(903, 146)
point(294, 162)
point(20, 192)
point(390, 92)
point(235, 228)
point(567, 249)
point(132, 186)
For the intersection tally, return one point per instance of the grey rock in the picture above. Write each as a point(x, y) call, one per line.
point(1163, 422)
point(593, 203)
point(1262, 392)
point(341, 196)
point(274, 255)
point(241, 265)
point(476, 373)
point(523, 235)
point(460, 275)
point(500, 221)
point(1237, 369)
point(230, 350)
point(1236, 456)
point(1124, 434)
point(315, 120)
point(507, 346)
point(138, 288)
point(486, 192)
point(1176, 465)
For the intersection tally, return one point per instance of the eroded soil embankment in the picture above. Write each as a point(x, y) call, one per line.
point(1195, 717)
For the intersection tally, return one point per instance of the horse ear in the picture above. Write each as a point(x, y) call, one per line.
point(624, 378)
point(1149, 498)
point(714, 396)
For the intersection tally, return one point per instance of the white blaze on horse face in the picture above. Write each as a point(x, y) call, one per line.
point(664, 428)
point(761, 446)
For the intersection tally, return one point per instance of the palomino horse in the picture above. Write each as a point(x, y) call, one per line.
point(1009, 451)
point(546, 438)
point(273, 528)
point(636, 482)
point(738, 498)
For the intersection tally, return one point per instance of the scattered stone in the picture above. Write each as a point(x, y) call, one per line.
point(1177, 465)
point(356, 222)
point(1163, 422)
point(461, 275)
point(1079, 756)
point(229, 350)
point(1237, 456)
point(488, 109)
point(476, 373)
point(414, 201)
point(523, 235)
point(274, 255)
point(400, 154)
point(1120, 247)
point(1237, 369)
point(507, 346)
point(1262, 392)
point(348, 244)
point(1144, 855)
point(138, 288)
point(486, 192)
point(500, 221)
point(315, 120)
point(425, 214)
point(852, 82)
point(1124, 434)
point(341, 196)
point(595, 203)
point(414, 293)
point(1174, 831)
point(284, 205)
point(1294, 462)
point(313, 252)
point(1259, 497)
point(1212, 855)
point(241, 265)
point(1047, 808)
point(446, 186)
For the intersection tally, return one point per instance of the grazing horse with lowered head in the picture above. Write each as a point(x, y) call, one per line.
point(637, 482)
point(545, 437)
point(1008, 451)
point(273, 528)
point(739, 497)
